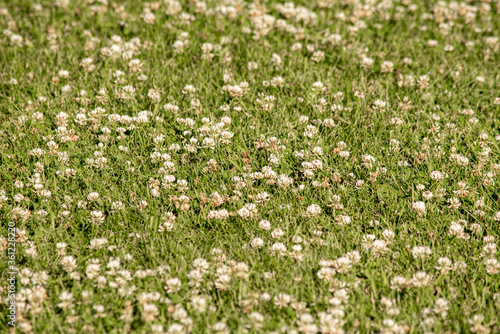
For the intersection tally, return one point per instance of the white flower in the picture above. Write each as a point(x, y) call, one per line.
point(313, 210)
point(419, 208)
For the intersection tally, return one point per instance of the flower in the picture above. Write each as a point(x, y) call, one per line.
point(419, 208)
point(313, 210)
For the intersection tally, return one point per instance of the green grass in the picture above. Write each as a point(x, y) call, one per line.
point(277, 287)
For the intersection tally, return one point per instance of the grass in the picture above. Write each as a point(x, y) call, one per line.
point(115, 238)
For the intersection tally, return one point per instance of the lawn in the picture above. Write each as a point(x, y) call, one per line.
point(229, 166)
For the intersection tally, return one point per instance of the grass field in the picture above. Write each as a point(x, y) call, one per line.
point(249, 167)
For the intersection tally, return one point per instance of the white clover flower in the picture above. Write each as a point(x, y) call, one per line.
point(419, 208)
point(313, 210)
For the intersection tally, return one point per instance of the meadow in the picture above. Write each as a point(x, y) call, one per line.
point(231, 166)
